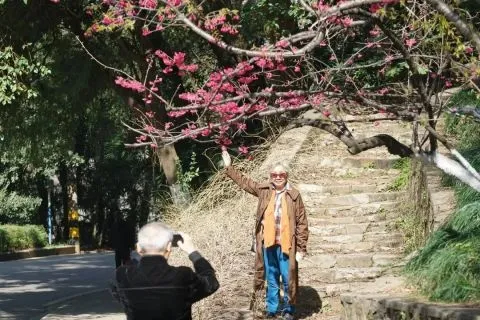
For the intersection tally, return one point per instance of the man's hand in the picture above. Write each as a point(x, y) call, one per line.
point(299, 256)
point(227, 160)
point(187, 243)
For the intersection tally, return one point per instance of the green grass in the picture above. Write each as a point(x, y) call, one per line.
point(401, 181)
point(447, 268)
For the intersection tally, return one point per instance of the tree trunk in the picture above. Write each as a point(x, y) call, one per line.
point(168, 159)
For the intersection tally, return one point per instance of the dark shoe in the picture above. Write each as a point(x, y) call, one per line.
point(287, 316)
point(270, 315)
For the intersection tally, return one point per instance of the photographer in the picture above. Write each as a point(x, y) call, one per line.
point(152, 289)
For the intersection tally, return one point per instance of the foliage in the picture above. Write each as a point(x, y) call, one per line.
point(13, 237)
point(18, 209)
point(463, 128)
point(17, 73)
point(447, 268)
point(186, 175)
point(401, 181)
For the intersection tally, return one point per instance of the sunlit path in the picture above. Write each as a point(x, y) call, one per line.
point(27, 285)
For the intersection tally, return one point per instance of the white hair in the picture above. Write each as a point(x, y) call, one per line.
point(154, 237)
point(284, 165)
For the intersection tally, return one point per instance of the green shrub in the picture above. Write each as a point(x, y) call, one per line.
point(18, 209)
point(13, 237)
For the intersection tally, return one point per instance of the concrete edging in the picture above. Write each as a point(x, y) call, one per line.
point(34, 253)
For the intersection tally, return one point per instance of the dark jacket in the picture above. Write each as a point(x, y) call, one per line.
point(153, 290)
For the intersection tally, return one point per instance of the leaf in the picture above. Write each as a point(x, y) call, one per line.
point(422, 70)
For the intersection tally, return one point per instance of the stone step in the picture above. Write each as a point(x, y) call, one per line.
point(316, 170)
point(377, 286)
point(329, 220)
point(392, 247)
point(350, 260)
point(386, 237)
point(348, 228)
point(339, 275)
point(351, 199)
point(305, 188)
point(337, 229)
point(357, 162)
point(356, 210)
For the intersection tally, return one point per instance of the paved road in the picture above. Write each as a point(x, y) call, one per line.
point(26, 286)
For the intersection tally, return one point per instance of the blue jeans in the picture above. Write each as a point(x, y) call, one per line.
point(276, 265)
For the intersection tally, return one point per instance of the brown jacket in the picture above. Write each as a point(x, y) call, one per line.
point(298, 227)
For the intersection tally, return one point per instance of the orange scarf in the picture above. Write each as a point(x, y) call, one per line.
point(269, 225)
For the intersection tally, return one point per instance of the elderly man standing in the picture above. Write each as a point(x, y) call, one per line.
point(281, 231)
point(151, 289)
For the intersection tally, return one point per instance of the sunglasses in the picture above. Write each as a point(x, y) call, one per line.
point(281, 175)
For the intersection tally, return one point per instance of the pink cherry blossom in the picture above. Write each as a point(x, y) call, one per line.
point(149, 4)
point(375, 7)
point(410, 42)
point(347, 22)
point(243, 149)
point(375, 32)
point(282, 44)
point(205, 132)
point(383, 91)
point(130, 84)
point(150, 114)
point(189, 96)
point(178, 58)
point(175, 3)
point(107, 20)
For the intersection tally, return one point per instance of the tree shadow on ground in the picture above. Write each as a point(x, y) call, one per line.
point(308, 302)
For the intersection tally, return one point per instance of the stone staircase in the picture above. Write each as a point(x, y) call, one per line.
point(353, 245)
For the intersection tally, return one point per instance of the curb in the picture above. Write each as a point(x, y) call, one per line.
point(36, 253)
point(53, 304)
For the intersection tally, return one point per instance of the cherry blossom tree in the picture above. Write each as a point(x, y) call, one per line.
point(381, 60)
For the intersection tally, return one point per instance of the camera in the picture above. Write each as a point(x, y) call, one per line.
point(176, 237)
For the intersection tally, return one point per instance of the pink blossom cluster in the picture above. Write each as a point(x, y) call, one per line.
point(220, 23)
point(321, 6)
point(153, 87)
point(130, 84)
point(148, 4)
point(178, 60)
point(291, 102)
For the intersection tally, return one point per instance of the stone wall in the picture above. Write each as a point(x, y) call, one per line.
point(431, 202)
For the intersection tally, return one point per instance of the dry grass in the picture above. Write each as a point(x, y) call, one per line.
point(221, 221)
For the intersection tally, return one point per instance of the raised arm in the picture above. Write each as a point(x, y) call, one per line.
point(203, 282)
point(244, 182)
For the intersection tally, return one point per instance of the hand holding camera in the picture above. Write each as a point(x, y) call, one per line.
point(184, 242)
